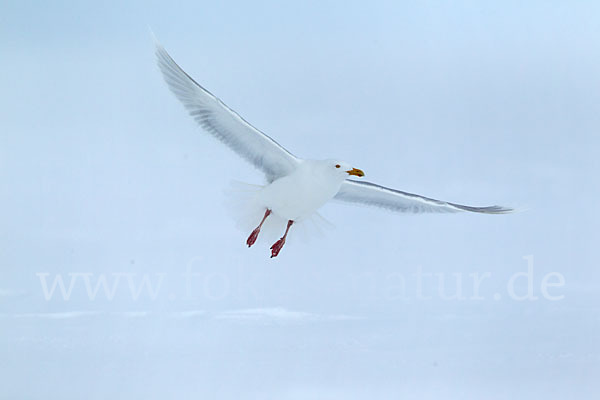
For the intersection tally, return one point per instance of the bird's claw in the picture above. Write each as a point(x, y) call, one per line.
point(253, 236)
point(276, 248)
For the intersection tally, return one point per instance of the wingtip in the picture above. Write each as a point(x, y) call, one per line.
point(498, 210)
point(517, 210)
point(485, 210)
point(158, 47)
point(153, 36)
point(503, 210)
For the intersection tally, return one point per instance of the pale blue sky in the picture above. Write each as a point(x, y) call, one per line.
point(102, 171)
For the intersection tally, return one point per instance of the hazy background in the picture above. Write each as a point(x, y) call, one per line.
point(103, 173)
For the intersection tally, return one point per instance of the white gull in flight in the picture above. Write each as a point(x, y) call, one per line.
point(296, 188)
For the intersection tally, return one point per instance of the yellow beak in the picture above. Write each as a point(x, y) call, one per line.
point(355, 172)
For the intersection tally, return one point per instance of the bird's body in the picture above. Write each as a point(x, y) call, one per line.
point(295, 188)
point(299, 195)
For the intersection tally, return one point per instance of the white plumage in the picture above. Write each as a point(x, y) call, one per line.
point(296, 188)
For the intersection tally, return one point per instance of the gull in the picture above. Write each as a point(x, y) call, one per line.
point(296, 188)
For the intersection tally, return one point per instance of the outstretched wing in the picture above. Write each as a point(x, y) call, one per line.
point(395, 200)
point(224, 123)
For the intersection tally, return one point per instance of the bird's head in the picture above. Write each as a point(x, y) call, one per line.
point(340, 169)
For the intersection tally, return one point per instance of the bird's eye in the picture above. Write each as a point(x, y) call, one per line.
point(337, 165)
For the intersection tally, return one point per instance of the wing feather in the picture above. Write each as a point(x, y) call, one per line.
point(225, 124)
point(396, 200)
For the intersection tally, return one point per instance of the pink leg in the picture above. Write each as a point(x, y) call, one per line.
point(254, 235)
point(276, 248)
